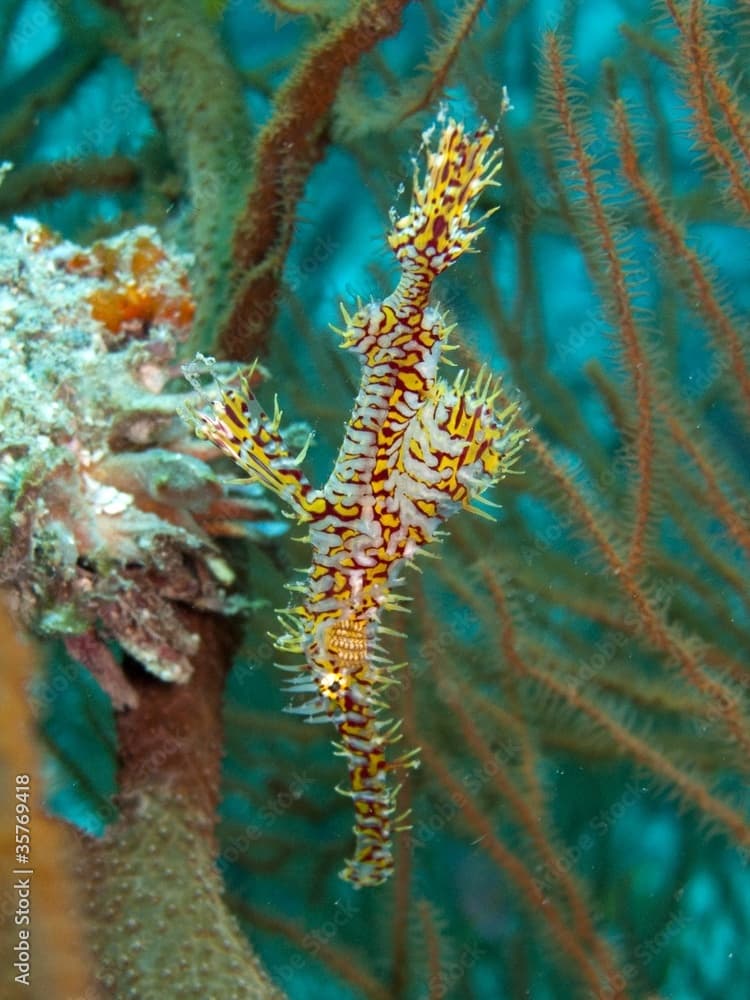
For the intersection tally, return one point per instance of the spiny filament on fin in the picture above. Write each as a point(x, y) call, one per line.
point(415, 451)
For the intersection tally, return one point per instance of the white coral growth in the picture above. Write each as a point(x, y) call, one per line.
point(107, 510)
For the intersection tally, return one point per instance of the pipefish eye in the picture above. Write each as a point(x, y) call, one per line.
point(333, 684)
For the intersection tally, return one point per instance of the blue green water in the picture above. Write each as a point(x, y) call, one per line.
point(666, 886)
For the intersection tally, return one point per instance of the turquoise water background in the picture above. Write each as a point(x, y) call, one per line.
point(672, 893)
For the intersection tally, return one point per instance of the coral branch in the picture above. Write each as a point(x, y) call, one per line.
point(619, 297)
point(516, 871)
point(692, 789)
point(702, 288)
point(698, 69)
point(661, 636)
point(154, 873)
point(196, 93)
point(285, 152)
point(736, 524)
point(533, 824)
point(41, 181)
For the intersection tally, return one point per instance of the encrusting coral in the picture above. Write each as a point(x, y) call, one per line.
point(107, 510)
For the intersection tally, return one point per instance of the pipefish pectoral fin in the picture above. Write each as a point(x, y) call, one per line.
point(237, 424)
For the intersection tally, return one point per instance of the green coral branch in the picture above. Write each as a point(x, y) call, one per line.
point(154, 872)
point(187, 79)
